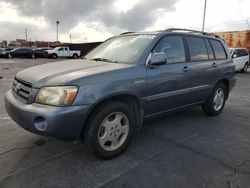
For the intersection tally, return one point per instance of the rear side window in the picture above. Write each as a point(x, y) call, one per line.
point(173, 47)
point(219, 50)
point(209, 49)
point(197, 49)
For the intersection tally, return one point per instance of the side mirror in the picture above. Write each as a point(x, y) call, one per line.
point(158, 59)
point(234, 56)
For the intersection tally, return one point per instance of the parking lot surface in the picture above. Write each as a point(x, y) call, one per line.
point(183, 149)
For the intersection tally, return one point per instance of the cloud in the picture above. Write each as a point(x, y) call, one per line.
point(72, 12)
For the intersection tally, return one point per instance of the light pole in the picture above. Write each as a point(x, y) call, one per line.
point(248, 27)
point(26, 34)
point(204, 16)
point(57, 23)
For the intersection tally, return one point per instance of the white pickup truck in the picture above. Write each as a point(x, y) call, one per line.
point(63, 51)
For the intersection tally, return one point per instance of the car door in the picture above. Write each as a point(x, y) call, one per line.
point(19, 52)
point(203, 65)
point(207, 58)
point(67, 52)
point(60, 52)
point(167, 85)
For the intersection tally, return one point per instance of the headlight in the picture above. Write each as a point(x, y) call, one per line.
point(57, 96)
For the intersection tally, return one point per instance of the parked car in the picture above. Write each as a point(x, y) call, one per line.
point(39, 52)
point(240, 58)
point(63, 51)
point(5, 52)
point(105, 97)
point(21, 52)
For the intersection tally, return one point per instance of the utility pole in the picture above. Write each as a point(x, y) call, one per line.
point(57, 23)
point(69, 38)
point(204, 16)
point(26, 34)
point(248, 27)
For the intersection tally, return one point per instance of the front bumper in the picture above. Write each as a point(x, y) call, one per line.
point(60, 122)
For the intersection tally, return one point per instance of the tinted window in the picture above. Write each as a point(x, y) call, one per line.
point(209, 50)
point(218, 49)
point(197, 49)
point(243, 52)
point(60, 49)
point(173, 47)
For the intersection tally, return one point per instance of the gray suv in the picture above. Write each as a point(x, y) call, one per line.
point(105, 97)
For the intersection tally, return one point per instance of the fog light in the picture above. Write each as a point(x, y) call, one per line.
point(40, 123)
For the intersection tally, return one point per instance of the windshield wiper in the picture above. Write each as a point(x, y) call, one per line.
point(104, 59)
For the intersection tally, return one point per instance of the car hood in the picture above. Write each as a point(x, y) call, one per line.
point(49, 51)
point(63, 72)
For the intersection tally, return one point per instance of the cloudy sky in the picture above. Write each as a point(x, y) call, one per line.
point(96, 20)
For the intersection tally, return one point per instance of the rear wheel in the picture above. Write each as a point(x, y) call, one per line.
point(216, 101)
point(75, 56)
point(109, 129)
point(244, 68)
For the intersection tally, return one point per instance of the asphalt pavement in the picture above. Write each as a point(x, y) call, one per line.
point(183, 149)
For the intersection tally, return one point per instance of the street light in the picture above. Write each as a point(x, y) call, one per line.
point(204, 15)
point(248, 27)
point(57, 23)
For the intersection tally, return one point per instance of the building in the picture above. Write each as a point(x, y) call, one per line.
point(236, 39)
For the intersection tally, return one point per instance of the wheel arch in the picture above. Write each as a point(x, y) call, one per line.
point(127, 98)
point(226, 83)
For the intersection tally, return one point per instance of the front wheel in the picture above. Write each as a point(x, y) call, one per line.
point(33, 56)
point(110, 129)
point(216, 101)
point(244, 68)
point(54, 56)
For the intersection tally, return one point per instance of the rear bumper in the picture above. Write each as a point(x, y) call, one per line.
point(59, 122)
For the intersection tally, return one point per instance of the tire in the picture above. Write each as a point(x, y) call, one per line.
point(218, 96)
point(107, 139)
point(244, 68)
point(75, 56)
point(54, 56)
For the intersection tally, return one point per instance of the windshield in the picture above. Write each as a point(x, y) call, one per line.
point(121, 49)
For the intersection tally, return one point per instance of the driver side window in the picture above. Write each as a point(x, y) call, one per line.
point(173, 47)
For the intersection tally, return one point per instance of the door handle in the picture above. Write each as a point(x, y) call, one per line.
point(186, 69)
point(214, 65)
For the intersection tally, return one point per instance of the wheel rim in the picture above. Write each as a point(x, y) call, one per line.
point(218, 99)
point(113, 131)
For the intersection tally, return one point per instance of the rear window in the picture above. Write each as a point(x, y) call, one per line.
point(197, 49)
point(219, 50)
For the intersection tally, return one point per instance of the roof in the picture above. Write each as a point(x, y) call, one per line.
point(175, 30)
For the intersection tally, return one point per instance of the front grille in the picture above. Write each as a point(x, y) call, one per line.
point(21, 89)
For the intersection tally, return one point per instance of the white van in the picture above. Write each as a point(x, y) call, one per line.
point(240, 58)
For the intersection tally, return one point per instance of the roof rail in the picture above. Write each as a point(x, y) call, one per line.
point(128, 32)
point(193, 31)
